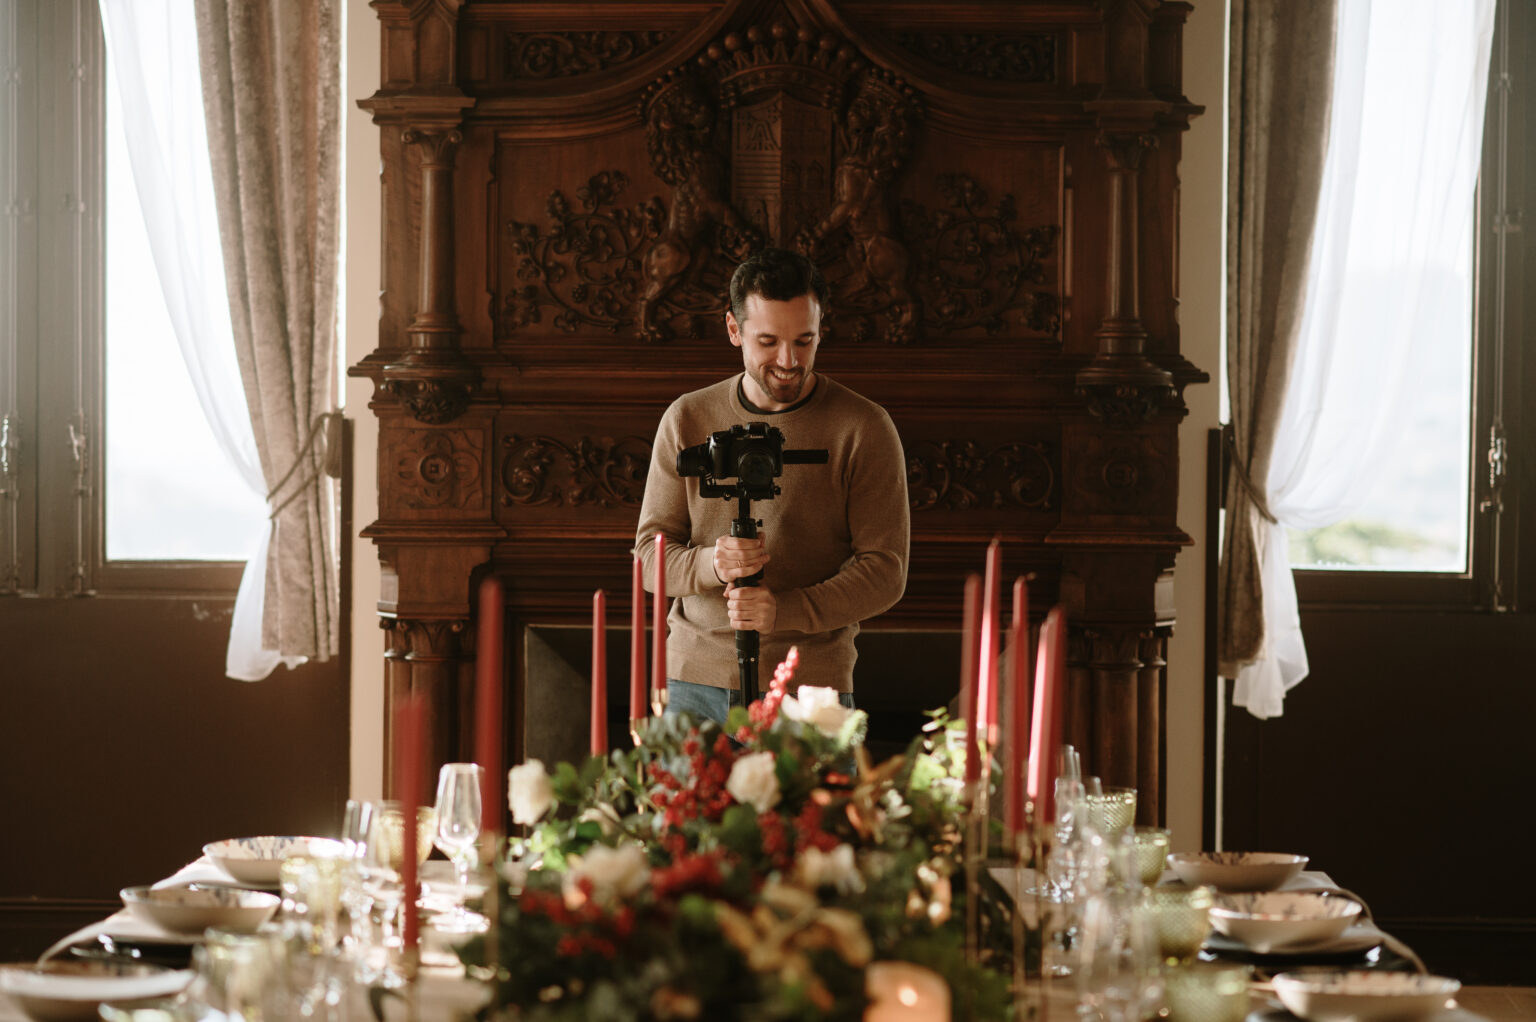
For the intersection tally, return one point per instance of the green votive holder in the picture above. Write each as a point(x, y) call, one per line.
point(1113, 811)
point(1207, 993)
point(1151, 849)
point(1182, 917)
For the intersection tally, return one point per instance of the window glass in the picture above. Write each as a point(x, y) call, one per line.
point(170, 492)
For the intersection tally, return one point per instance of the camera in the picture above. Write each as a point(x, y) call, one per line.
point(753, 455)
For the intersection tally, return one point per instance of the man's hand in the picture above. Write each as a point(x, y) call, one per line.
point(752, 609)
point(737, 558)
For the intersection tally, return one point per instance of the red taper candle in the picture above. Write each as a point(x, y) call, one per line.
point(1050, 668)
point(409, 731)
point(637, 707)
point(599, 674)
point(991, 621)
point(488, 703)
point(659, 626)
point(970, 641)
point(1019, 709)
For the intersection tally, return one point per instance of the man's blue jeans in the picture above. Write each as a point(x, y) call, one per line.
point(709, 703)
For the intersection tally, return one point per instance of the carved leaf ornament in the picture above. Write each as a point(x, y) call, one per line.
point(781, 136)
point(541, 471)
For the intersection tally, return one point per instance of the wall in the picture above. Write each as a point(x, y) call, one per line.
point(360, 328)
point(1202, 269)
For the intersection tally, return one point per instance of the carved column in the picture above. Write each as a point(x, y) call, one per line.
point(1119, 385)
point(1151, 755)
point(434, 379)
point(425, 658)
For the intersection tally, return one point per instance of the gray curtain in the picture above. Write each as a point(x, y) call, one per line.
point(1281, 75)
point(271, 72)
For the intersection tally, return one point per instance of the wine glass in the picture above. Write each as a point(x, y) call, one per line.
point(379, 863)
point(458, 828)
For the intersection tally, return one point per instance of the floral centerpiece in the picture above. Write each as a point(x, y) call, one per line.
point(745, 872)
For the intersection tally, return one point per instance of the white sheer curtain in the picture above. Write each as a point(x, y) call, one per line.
point(1410, 77)
point(154, 47)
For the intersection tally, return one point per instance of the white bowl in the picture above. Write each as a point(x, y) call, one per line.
point(1365, 996)
point(194, 909)
point(69, 990)
point(1272, 920)
point(1237, 871)
point(256, 860)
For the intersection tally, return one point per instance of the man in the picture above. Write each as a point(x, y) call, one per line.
point(833, 545)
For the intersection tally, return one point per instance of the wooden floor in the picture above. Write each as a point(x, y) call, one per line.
point(1501, 1004)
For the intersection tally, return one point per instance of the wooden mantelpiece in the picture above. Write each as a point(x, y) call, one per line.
point(990, 186)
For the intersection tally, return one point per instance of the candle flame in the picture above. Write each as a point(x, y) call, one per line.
point(907, 995)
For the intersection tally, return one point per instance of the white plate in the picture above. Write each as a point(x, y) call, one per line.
point(256, 860)
point(65, 991)
point(1276, 920)
point(1362, 996)
point(1356, 940)
point(1231, 872)
point(194, 909)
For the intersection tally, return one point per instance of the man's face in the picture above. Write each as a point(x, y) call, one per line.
point(778, 347)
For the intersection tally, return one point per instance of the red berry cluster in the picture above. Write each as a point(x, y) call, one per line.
point(808, 830)
point(766, 710)
point(587, 926)
point(702, 795)
point(688, 873)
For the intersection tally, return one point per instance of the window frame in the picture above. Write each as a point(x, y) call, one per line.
point(1494, 554)
point(56, 111)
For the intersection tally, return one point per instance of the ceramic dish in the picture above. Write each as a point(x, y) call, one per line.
point(194, 909)
point(1362, 996)
point(1275, 920)
point(256, 860)
point(1231, 872)
point(1350, 946)
point(68, 990)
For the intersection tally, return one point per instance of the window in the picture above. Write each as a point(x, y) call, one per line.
point(1431, 530)
point(95, 405)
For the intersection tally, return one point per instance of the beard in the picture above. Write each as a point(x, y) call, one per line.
point(781, 389)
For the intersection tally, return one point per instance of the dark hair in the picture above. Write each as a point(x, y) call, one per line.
point(777, 275)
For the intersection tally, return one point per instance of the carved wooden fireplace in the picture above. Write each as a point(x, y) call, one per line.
point(991, 187)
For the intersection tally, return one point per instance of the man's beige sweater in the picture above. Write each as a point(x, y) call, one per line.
point(836, 536)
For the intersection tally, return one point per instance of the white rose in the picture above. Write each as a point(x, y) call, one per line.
point(753, 782)
point(836, 868)
point(817, 706)
point(616, 874)
point(529, 793)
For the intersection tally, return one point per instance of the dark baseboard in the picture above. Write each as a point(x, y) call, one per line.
point(28, 926)
point(1485, 952)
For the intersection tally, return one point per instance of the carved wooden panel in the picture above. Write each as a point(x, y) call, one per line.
point(990, 189)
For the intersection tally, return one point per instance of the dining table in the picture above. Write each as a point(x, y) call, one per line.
point(442, 992)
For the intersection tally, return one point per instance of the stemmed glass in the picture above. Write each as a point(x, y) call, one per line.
point(383, 852)
point(458, 829)
point(354, 893)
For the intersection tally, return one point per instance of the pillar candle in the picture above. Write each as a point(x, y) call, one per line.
point(488, 703)
point(659, 626)
point(991, 617)
point(637, 707)
point(1050, 666)
point(1019, 707)
point(599, 674)
point(970, 641)
point(408, 760)
point(904, 992)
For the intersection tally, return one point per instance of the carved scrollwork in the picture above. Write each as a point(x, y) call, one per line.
point(436, 468)
point(955, 475)
point(1126, 149)
point(545, 55)
point(1124, 404)
point(433, 401)
point(541, 471)
point(437, 147)
point(424, 640)
point(977, 268)
point(1121, 474)
point(585, 263)
point(1023, 58)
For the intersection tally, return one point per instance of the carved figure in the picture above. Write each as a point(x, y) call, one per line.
point(679, 129)
point(876, 139)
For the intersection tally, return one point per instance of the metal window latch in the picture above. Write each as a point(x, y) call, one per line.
point(10, 451)
point(1498, 466)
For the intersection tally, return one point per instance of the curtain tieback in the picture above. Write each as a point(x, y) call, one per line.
point(1229, 435)
point(330, 463)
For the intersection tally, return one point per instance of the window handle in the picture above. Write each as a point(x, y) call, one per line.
point(10, 455)
point(1498, 466)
